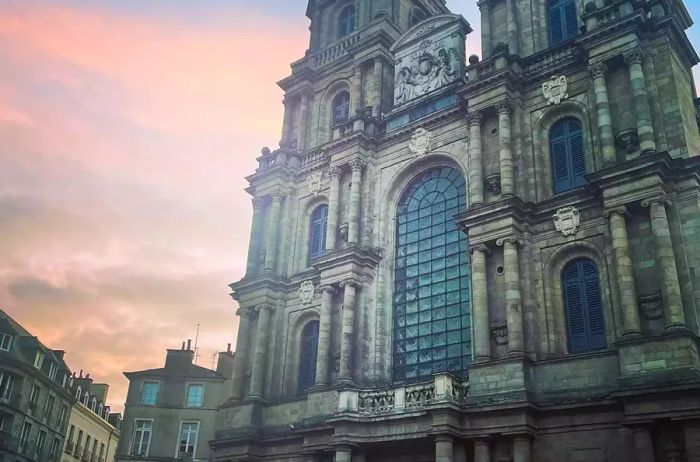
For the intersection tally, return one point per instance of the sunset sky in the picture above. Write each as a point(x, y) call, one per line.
point(126, 130)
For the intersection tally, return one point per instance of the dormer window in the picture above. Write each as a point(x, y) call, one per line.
point(86, 399)
point(93, 404)
point(39, 360)
point(5, 341)
point(78, 393)
point(347, 21)
point(52, 370)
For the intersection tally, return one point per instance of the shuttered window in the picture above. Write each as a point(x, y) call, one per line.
point(307, 356)
point(568, 155)
point(563, 20)
point(317, 231)
point(584, 306)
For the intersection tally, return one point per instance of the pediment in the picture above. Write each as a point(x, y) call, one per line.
point(428, 27)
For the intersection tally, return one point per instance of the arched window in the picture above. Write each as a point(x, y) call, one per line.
point(563, 21)
point(341, 107)
point(417, 15)
point(346, 21)
point(568, 155)
point(317, 231)
point(307, 356)
point(78, 393)
point(432, 316)
point(584, 306)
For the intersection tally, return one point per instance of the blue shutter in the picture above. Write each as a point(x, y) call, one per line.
point(560, 165)
point(556, 27)
point(317, 232)
point(576, 153)
point(575, 316)
point(568, 155)
point(571, 28)
point(563, 20)
point(594, 305)
point(584, 306)
point(307, 356)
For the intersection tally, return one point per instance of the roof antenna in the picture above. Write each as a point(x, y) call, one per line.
point(196, 349)
point(213, 361)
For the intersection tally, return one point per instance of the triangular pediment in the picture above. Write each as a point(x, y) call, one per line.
point(429, 26)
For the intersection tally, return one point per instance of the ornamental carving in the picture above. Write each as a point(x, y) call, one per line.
point(556, 89)
point(500, 333)
point(307, 292)
point(628, 140)
point(315, 181)
point(421, 142)
point(651, 306)
point(493, 183)
point(567, 221)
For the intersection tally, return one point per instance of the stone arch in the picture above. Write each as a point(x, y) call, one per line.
point(325, 121)
point(305, 210)
point(293, 348)
point(555, 316)
point(540, 140)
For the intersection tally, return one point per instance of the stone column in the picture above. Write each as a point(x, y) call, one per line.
point(378, 87)
point(643, 444)
point(486, 45)
point(324, 336)
point(273, 221)
point(521, 449)
point(332, 224)
point(343, 454)
point(625, 276)
point(356, 91)
point(302, 124)
point(602, 103)
point(692, 441)
point(359, 458)
point(476, 168)
point(512, 27)
point(645, 129)
point(514, 311)
point(260, 353)
point(347, 331)
point(355, 190)
point(505, 110)
point(671, 290)
point(254, 243)
point(241, 357)
point(286, 122)
point(443, 449)
point(482, 450)
point(482, 326)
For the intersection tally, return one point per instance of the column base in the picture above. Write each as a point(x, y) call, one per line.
point(632, 335)
point(516, 354)
point(346, 383)
point(677, 327)
point(482, 359)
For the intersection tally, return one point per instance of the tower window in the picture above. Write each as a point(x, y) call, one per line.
point(584, 306)
point(307, 356)
point(317, 231)
point(341, 107)
point(568, 155)
point(417, 15)
point(563, 23)
point(347, 21)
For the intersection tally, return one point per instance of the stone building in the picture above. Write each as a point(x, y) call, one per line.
point(170, 412)
point(35, 398)
point(93, 431)
point(487, 259)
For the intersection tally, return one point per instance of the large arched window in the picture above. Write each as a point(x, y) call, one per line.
point(563, 23)
point(568, 155)
point(341, 107)
point(317, 231)
point(432, 320)
point(307, 356)
point(584, 306)
point(347, 21)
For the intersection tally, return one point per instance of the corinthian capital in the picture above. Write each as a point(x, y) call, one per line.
point(484, 5)
point(598, 69)
point(357, 164)
point(474, 119)
point(333, 172)
point(634, 56)
point(504, 107)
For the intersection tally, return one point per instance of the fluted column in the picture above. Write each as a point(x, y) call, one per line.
point(512, 28)
point(302, 124)
point(486, 45)
point(355, 190)
point(347, 331)
point(444, 451)
point(377, 86)
point(645, 129)
point(643, 444)
point(356, 90)
point(521, 449)
point(482, 327)
point(260, 353)
point(241, 357)
point(505, 110)
point(482, 450)
point(602, 103)
point(324, 336)
point(286, 122)
point(332, 224)
point(671, 289)
point(514, 310)
point(476, 167)
point(254, 243)
point(273, 222)
point(625, 276)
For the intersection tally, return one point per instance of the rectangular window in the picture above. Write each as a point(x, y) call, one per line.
point(40, 442)
point(24, 437)
point(69, 441)
point(34, 397)
point(54, 447)
point(195, 395)
point(149, 393)
point(48, 408)
point(78, 444)
point(93, 453)
point(39, 360)
point(188, 439)
point(141, 441)
point(5, 342)
point(62, 416)
point(6, 381)
point(86, 452)
point(102, 451)
point(52, 370)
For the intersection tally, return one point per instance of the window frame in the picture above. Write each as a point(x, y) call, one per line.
point(347, 22)
point(568, 139)
point(6, 341)
point(180, 435)
point(187, 395)
point(567, 35)
point(49, 405)
point(8, 380)
point(318, 232)
point(136, 429)
point(306, 382)
point(24, 435)
point(590, 310)
point(39, 359)
point(141, 392)
point(338, 103)
point(40, 441)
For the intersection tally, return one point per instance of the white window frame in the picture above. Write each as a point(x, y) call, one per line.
point(55, 447)
point(24, 434)
point(39, 359)
point(143, 386)
point(187, 394)
point(40, 441)
point(34, 397)
point(196, 437)
point(6, 390)
point(150, 437)
point(62, 415)
point(6, 341)
point(52, 370)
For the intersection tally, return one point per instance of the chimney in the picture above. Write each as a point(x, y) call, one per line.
point(228, 348)
point(183, 346)
point(189, 344)
point(81, 374)
point(179, 360)
point(224, 365)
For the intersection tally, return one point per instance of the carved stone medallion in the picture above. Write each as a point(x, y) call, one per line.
point(315, 183)
point(556, 89)
point(500, 333)
point(421, 142)
point(567, 220)
point(307, 292)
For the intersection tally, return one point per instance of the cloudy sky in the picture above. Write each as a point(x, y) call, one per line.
point(126, 130)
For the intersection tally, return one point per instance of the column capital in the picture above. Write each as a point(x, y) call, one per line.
point(505, 107)
point(357, 164)
point(351, 282)
point(264, 307)
point(327, 288)
point(474, 119)
point(257, 202)
point(333, 172)
point(244, 311)
point(484, 5)
point(480, 248)
point(500, 242)
point(619, 210)
point(276, 196)
point(634, 56)
point(444, 438)
point(598, 69)
point(660, 199)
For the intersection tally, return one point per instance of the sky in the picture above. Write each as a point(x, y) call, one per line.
point(126, 130)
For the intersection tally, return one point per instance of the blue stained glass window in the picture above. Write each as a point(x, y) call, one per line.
point(307, 356)
point(584, 306)
point(568, 155)
point(346, 22)
point(432, 314)
point(317, 231)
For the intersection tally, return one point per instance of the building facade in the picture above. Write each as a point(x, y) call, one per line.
point(93, 431)
point(487, 259)
point(35, 397)
point(170, 412)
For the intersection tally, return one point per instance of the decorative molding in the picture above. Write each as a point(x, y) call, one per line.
point(651, 305)
point(619, 210)
point(628, 140)
point(504, 107)
point(333, 173)
point(315, 181)
point(474, 119)
point(421, 142)
point(499, 332)
point(660, 199)
point(493, 183)
point(307, 292)
point(567, 220)
point(480, 248)
point(556, 89)
point(357, 164)
point(500, 242)
point(634, 56)
point(598, 70)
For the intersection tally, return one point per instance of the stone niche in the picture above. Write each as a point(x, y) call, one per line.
point(430, 56)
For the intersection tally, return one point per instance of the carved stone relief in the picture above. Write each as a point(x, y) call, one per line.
point(315, 181)
point(421, 142)
point(567, 221)
point(651, 306)
point(307, 292)
point(500, 333)
point(556, 89)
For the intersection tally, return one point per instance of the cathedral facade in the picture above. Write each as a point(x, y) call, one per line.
point(485, 259)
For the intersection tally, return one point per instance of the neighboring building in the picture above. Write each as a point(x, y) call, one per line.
point(35, 399)
point(493, 261)
point(93, 431)
point(171, 412)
